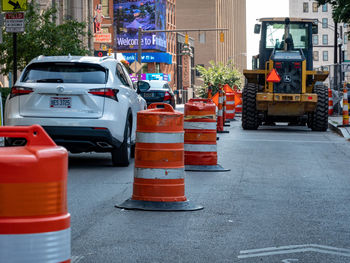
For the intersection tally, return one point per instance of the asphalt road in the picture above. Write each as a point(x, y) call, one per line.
point(286, 199)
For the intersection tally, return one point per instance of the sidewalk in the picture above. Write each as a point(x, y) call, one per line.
point(335, 123)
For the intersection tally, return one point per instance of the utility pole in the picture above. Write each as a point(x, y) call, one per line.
point(341, 57)
point(336, 56)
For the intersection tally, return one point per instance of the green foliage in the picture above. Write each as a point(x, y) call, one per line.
point(341, 9)
point(216, 75)
point(42, 37)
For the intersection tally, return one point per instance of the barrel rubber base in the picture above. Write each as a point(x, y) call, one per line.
point(159, 206)
point(222, 132)
point(206, 168)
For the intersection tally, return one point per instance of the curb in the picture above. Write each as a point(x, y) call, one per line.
point(342, 131)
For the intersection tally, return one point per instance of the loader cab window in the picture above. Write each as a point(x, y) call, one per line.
point(298, 35)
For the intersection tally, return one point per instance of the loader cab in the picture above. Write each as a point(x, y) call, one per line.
point(285, 34)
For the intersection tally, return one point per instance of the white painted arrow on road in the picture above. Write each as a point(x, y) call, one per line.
point(269, 251)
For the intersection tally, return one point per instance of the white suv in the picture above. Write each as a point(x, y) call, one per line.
point(84, 103)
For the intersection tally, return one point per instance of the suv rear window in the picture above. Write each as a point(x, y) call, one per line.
point(65, 72)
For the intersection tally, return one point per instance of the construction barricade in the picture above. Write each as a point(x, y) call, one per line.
point(238, 100)
point(345, 106)
point(159, 176)
point(34, 222)
point(200, 136)
point(220, 113)
point(230, 106)
point(330, 102)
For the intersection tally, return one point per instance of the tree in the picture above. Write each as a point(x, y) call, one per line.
point(341, 9)
point(218, 74)
point(42, 37)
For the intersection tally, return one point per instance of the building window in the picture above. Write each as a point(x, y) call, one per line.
point(325, 39)
point(324, 22)
point(305, 7)
point(324, 8)
point(105, 7)
point(345, 55)
point(315, 55)
point(345, 38)
point(315, 40)
point(325, 55)
point(314, 7)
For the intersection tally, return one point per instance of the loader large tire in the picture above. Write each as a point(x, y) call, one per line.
point(250, 119)
point(319, 118)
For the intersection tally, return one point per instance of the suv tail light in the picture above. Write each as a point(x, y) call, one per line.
point(167, 96)
point(105, 92)
point(17, 91)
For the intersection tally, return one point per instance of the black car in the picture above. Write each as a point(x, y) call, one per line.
point(156, 91)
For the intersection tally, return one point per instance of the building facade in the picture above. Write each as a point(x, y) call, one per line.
point(323, 42)
point(209, 14)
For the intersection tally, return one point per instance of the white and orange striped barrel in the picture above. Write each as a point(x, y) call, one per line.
point(220, 112)
point(345, 106)
point(159, 155)
point(200, 132)
point(34, 222)
point(330, 102)
point(224, 106)
point(230, 106)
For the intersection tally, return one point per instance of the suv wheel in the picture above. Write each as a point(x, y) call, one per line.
point(121, 156)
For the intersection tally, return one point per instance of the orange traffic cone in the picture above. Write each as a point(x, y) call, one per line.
point(159, 177)
point(220, 113)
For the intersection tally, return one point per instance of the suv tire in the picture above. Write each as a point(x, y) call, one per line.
point(121, 156)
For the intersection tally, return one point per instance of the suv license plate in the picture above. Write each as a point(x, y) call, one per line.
point(148, 95)
point(60, 102)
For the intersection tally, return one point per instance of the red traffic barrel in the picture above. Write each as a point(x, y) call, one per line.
point(159, 176)
point(34, 221)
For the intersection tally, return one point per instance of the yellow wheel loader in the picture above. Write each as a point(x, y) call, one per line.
point(282, 86)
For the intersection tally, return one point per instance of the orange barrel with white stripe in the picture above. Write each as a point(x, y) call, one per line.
point(200, 132)
point(159, 175)
point(34, 221)
point(239, 105)
point(220, 113)
point(230, 106)
point(330, 102)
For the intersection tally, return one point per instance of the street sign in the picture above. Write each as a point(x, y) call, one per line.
point(14, 22)
point(345, 67)
point(136, 66)
point(14, 5)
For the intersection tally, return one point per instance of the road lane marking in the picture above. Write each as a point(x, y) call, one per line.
point(270, 251)
point(288, 141)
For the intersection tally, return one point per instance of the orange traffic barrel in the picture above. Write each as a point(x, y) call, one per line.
point(34, 222)
point(330, 102)
point(159, 176)
point(230, 106)
point(200, 136)
point(220, 113)
point(238, 101)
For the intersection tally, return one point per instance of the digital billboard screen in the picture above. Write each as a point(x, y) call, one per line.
point(147, 14)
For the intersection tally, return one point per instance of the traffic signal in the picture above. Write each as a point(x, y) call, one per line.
point(222, 37)
point(186, 39)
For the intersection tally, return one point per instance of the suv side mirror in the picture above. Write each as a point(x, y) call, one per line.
point(257, 28)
